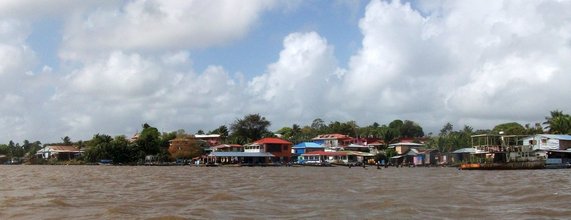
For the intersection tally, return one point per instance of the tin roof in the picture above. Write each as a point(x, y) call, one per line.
point(557, 136)
point(405, 144)
point(307, 145)
point(468, 150)
point(272, 141)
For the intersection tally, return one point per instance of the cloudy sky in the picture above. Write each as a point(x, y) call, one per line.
point(77, 68)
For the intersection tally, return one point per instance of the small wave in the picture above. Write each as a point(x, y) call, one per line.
point(59, 203)
point(224, 197)
point(168, 217)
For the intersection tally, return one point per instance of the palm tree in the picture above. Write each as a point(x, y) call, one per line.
point(558, 123)
point(549, 119)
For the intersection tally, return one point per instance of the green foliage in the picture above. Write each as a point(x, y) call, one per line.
point(511, 128)
point(450, 140)
point(318, 125)
point(166, 137)
point(104, 147)
point(558, 123)
point(4, 149)
point(411, 129)
point(252, 127)
point(149, 142)
point(391, 152)
point(66, 141)
point(222, 131)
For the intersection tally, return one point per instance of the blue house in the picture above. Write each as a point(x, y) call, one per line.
point(306, 147)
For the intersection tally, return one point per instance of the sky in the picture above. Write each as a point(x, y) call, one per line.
point(78, 68)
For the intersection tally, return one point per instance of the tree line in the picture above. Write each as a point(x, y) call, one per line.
point(252, 127)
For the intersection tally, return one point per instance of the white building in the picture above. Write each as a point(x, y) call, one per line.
point(549, 141)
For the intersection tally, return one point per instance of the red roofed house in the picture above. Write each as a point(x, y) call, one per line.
point(333, 141)
point(279, 148)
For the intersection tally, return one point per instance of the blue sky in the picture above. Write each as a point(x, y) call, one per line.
point(108, 67)
point(250, 55)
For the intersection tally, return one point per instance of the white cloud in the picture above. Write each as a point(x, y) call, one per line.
point(159, 25)
point(118, 77)
point(462, 60)
point(298, 84)
point(126, 63)
point(36, 10)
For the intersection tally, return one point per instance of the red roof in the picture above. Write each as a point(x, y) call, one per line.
point(272, 141)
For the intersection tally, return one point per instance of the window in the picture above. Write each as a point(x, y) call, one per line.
point(273, 148)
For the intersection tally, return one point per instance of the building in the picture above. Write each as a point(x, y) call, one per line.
point(59, 152)
point(228, 148)
point(549, 141)
point(210, 139)
point(319, 157)
point(306, 147)
point(376, 146)
point(279, 148)
point(333, 142)
point(557, 148)
point(404, 147)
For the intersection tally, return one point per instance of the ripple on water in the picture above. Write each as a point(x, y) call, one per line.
point(107, 192)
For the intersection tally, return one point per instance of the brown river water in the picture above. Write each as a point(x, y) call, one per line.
point(138, 192)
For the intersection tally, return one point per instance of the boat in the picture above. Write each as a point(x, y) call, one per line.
point(105, 162)
point(503, 152)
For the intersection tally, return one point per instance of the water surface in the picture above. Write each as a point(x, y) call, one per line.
point(130, 192)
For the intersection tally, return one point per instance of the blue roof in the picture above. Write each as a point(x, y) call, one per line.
point(307, 145)
point(557, 136)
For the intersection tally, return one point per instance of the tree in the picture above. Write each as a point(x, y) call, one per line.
point(387, 134)
point(347, 128)
point(66, 141)
point(512, 128)
point(411, 129)
point(450, 140)
point(318, 125)
point(4, 149)
point(104, 147)
point(396, 126)
point(252, 127)
point(98, 148)
point(184, 147)
point(286, 132)
point(558, 123)
point(295, 130)
point(149, 142)
point(446, 129)
point(222, 131)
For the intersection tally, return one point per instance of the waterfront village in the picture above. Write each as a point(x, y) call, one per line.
point(323, 149)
